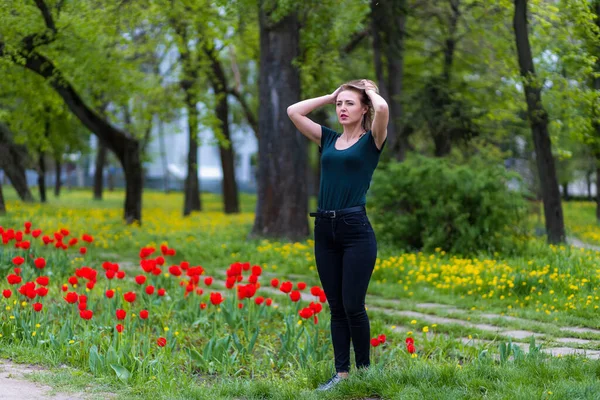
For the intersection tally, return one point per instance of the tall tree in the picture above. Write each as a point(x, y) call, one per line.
point(538, 119)
point(30, 52)
point(388, 30)
point(12, 158)
point(2, 203)
point(282, 204)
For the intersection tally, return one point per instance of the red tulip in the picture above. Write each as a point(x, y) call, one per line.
point(41, 291)
point(110, 293)
point(149, 289)
point(82, 306)
point(73, 242)
point(120, 274)
point(269, 302)
point(144, 314)
point(256, 270)
point(110, 273)
point(409, 340)
point(13, 279)
point(140, 279)
point(306, 313)
point(82, 250)
point(202, 306)
point(295, 296)
point(27, 225)
point(316, 307)
point(161, 292)
point(71, 297)
point(119, 328)
point(381, 338)
point(259, 300)
point(43, 280)
point(301, 285)
point(64, 232)
point(73, 280)
point(121, 314)
point(6, 293)
point(174, 270)
point(36, 233)
point(90, 285)
point(216, 298)
point(18, 260)
point(160, 260)
point(161, 342)
point(129, 297)
point(286, 287)
point(87, 238)
point(17, 270)
point(374, 342)
point(274, 282)
point(208, 281)
point(37, 307)
point(86, 314)
point(240, 305)
point(410, 348)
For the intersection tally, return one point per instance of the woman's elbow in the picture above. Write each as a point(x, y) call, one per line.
point(382, 108)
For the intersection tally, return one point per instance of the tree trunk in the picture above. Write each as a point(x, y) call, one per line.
point(42, 177)
point(538, 119)
point(99, 171)
point(58, 171)
point(2, 203)
point(282, 201)
point(388, 30)
point(123, 145)
point(191, 200)
point(134, 182)
point(11, 157)
point(231, 202)
point(565, 187)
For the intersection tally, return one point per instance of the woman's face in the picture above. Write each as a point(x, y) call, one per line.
point(348, 107)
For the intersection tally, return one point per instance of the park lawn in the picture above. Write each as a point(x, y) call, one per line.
point(546, 289)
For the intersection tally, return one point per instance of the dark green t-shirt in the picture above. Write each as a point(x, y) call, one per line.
point(346, 174)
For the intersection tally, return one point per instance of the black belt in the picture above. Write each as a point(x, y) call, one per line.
point(336, 213)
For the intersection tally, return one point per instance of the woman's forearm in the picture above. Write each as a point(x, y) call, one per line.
point(304, 107)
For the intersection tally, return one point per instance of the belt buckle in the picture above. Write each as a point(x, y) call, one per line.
point(332, 214)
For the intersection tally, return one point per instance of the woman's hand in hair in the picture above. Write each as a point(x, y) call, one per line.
point(334, 95)
point(369, 85)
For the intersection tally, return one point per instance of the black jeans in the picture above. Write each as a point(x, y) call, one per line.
point(345, 253)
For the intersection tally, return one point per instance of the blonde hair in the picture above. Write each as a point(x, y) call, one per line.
point(358, 87)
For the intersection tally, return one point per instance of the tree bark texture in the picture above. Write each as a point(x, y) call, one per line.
point(282, 201)
point(538, 120)
point(99, 171)
point(58, 172)
point(388, 30)
point(11, 161)
point(231, 202)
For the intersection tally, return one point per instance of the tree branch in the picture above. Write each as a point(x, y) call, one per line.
point(46, 14)
point(355, 40)
point(252, 120)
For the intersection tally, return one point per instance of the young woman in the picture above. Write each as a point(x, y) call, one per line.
point(345, 244)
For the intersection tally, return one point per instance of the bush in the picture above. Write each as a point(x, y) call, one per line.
point(428, 203)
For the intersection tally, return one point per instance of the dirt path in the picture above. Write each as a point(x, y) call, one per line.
point(15, 386)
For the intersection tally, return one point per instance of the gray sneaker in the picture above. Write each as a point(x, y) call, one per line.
point(331, 383)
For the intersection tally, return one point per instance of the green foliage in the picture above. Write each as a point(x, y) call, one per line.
point(426, 203)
